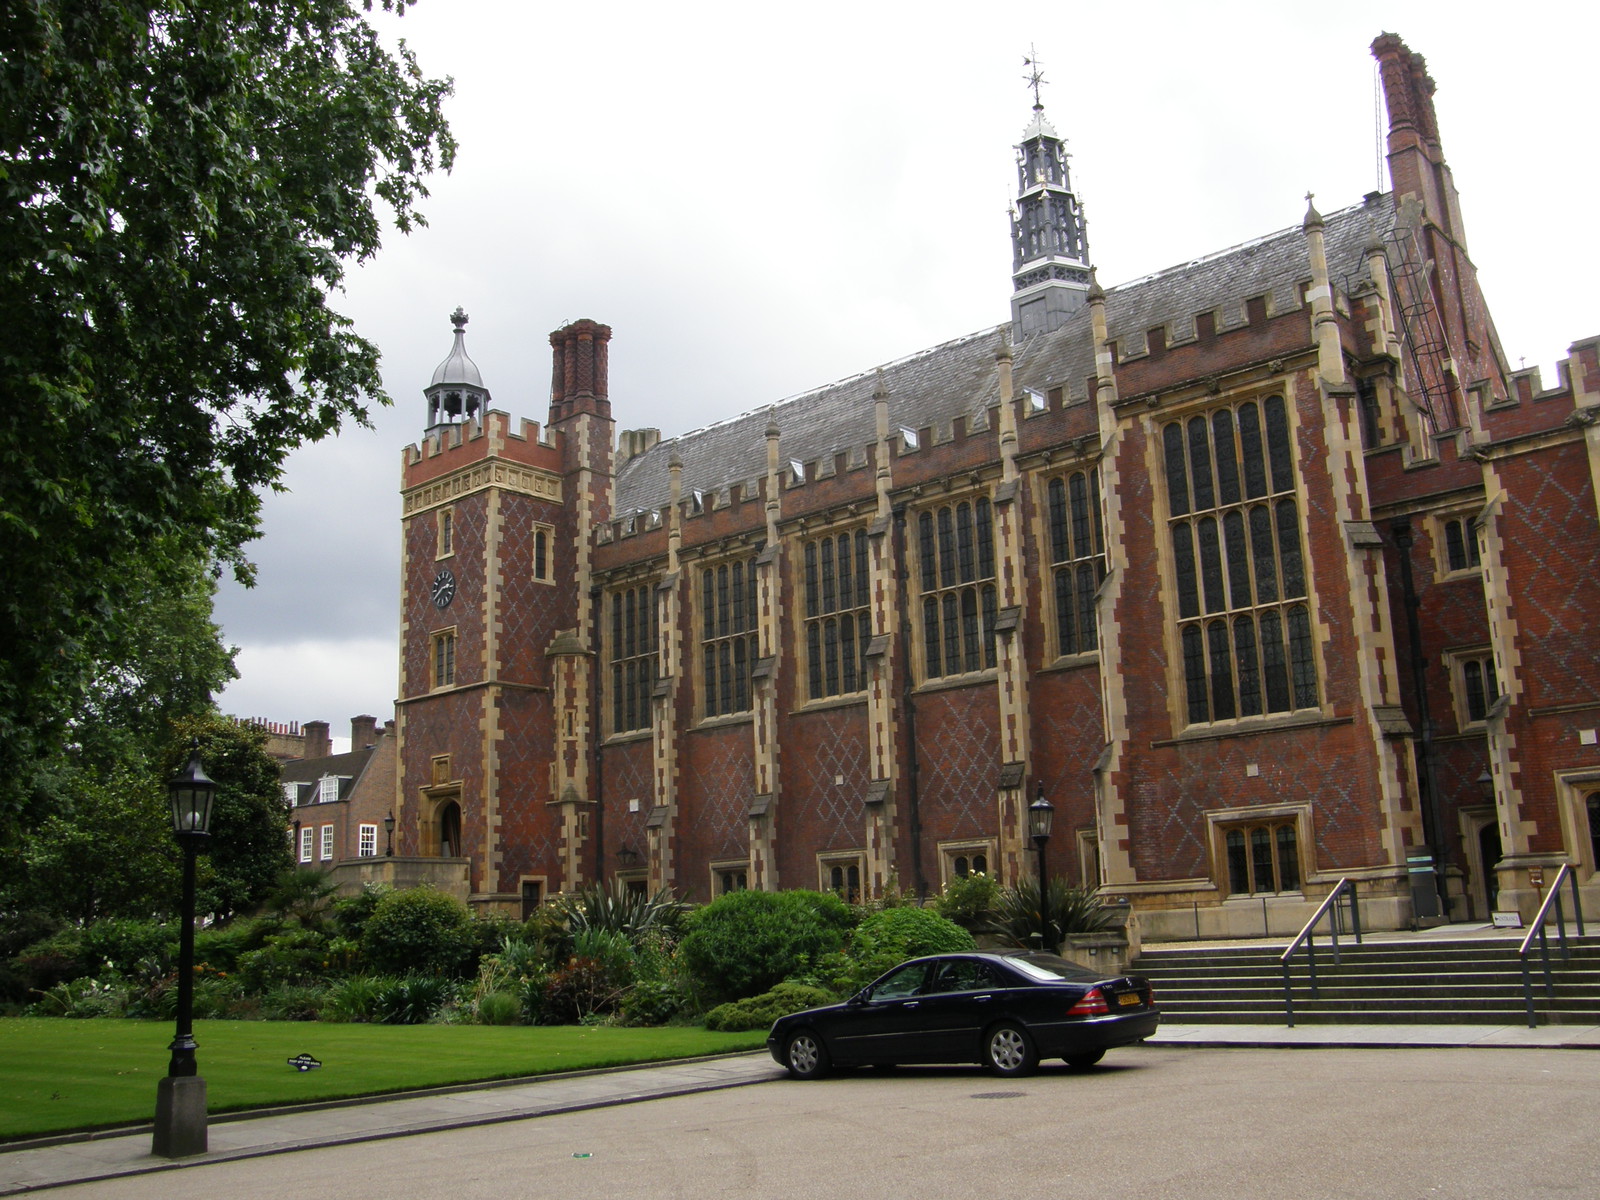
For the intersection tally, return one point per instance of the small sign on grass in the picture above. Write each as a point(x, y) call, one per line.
point(303, 1062)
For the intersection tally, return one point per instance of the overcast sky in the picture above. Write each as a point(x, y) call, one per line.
point(760, 200)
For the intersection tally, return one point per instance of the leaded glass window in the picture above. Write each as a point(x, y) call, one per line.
point(1078, 557)
point(633, 651)
point(838, 620)
point(1244, 627)
point(728, 642)
point(955, 552)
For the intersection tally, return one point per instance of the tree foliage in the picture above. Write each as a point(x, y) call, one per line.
point(248, 850)
point(181, 187)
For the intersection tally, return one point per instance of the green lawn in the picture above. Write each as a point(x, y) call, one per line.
point(58, 1074)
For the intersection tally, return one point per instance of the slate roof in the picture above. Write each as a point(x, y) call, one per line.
point(959, 378)
point(347, 767)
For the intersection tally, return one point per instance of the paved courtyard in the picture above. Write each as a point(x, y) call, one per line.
point(1152, 1123)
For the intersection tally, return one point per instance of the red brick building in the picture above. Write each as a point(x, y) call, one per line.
point(1266, 569)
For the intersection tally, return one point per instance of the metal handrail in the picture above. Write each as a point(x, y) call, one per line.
point(1305, 935)
point(1537, 928)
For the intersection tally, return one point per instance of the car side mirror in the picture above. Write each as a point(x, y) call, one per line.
point(860, 997)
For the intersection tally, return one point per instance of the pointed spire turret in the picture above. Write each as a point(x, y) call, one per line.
point(1049, 237)
point(456, 392)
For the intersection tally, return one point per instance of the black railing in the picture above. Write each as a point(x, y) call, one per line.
point(1334, 911)
point(1537, 929)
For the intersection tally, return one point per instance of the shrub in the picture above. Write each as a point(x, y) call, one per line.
point(293, 1002)
point(578, 990)
point(619, 911)
point(759, 1012)
point(653, 1002)
point(91, 950)
point(221, 946)
point(83, 997)
point(611, 949)
point(500, 1008)
point(351, 913)
point(19, 931)
point(419, 930)
point(490, 931)
point(295, 956)
point(888, 938)
point(745, 943)
point(354, 999)
point(532, 994)
point(412, 999)
point(969, 900)
point(1068, 910)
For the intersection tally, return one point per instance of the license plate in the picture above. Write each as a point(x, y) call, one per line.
point(1128, 998)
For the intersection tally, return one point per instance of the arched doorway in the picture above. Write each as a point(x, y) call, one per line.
point(450, 830)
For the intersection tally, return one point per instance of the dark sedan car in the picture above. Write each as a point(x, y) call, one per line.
point(1006, 1010)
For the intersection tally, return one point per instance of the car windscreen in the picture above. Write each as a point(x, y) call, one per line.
point(1047, 968)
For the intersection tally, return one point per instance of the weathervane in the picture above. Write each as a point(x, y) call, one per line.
point(1035, 75)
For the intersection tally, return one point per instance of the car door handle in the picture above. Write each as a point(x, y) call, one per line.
point(980, 999)
point(910, 1004)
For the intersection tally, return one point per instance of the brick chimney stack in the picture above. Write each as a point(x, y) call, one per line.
point(318, 743)
point(363, 732)
point(578, 381)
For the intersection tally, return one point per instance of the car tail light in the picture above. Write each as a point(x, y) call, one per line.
point(1149, 995)
point(1092, 1004)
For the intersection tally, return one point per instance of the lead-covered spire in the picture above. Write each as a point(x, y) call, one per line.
point(1049, 237)
point(456, 392)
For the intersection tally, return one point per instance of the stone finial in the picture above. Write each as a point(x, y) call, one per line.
point(1313, 217)
point(1096, 292)
point(772, 424)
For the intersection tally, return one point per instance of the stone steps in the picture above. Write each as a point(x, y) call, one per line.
point(1436, 981)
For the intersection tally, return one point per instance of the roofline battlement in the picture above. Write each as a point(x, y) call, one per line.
point(447, 447)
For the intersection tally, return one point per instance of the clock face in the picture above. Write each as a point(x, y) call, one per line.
point(444, 588)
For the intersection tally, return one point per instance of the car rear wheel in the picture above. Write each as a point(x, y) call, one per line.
point(1082, 1062)
point(806, 1056)
point(1008, 1050)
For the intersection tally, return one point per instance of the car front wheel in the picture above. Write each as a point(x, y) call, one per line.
point(1008, 1050)
point(806, 1056)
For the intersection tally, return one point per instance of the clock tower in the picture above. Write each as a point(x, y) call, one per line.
point(487, 570)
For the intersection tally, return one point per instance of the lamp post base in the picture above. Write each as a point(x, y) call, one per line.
point(180, 1117)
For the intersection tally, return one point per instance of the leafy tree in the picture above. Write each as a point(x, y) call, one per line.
point(103, 843)
point(248, 851)
point(108, 852)
point(181, 185)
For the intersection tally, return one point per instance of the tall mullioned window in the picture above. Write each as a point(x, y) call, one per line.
point(838, 623)
point(1243, 623)
point(1078, 558)
point(728, 644)
point(633, 650)
point(955, 549)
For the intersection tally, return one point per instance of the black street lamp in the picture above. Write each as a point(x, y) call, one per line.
point(1041, 815)
point(388, 828)
point(180, 1128)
